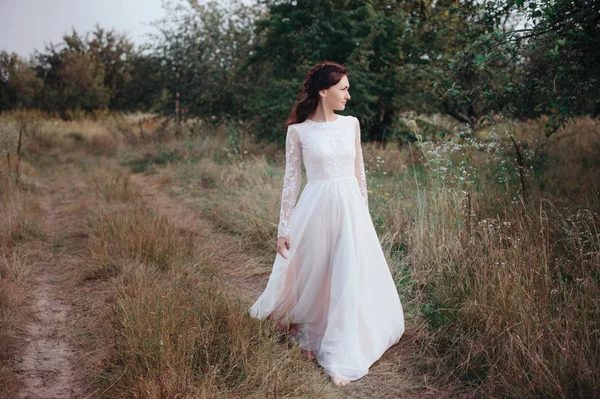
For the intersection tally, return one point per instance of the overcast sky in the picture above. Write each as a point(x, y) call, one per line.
point(26, 25)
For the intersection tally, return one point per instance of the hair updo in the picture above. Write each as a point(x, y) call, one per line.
point(321, 76)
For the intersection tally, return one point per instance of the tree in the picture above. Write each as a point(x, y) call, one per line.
point(82, 82)
point(113, 50)
point(146, 84)
point(19, 85)
point(200, 48)
point(73, 77)
point(377, 40)
point(475, 74)
point(549, 65)
point(95, 66)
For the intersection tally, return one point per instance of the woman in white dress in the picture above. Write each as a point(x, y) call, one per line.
point(330, 284)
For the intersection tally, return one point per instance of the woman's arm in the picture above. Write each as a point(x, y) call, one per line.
point(359, 169)
point(291, 180)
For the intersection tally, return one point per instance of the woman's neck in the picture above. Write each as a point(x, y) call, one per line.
point(320, 114)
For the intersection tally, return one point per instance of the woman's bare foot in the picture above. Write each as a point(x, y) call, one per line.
point(340, 382)
point(293, 330)
point(310, 355)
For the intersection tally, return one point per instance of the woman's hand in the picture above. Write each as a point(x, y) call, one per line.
point(283, 242)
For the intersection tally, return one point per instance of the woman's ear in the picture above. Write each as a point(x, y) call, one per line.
point(323, 94)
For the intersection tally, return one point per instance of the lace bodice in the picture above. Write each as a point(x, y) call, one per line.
point(328, 150)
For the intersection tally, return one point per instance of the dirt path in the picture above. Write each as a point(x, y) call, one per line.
point(48, 364)
point(395, 375)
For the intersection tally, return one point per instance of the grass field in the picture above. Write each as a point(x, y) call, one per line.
point(494, 246)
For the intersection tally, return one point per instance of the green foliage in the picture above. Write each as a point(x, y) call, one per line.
point(434, 315)
point(377, 41)
point(82, 73)
point(548, 66)
point(144, 90)
point(562, 77)
point(200, 50)
point(113, 51)
point(18, 83)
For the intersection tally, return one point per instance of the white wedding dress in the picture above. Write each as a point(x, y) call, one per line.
point(335, 284)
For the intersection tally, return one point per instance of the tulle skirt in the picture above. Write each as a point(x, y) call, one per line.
point(336, 284)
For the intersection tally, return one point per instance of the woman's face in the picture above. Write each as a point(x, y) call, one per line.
point(336, 96)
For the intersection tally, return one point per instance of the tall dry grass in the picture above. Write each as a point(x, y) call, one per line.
point(178, 331)
point(510, 303)
point(500, 277)
point(17, 209)
point(105, 135)
point(506, 281)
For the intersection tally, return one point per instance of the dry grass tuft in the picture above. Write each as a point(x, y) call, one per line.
point(238, 205)
point(14, 265)
point(17, 210)
point(10, 322)
point(136, 234)
point(511, 303)
point(111, 185)
point(185, 336)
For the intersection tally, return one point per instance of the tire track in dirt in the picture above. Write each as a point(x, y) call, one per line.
point(393, 376)
point(47, 365)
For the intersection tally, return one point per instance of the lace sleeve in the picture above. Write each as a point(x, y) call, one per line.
point(291, 180)
point(359, 170)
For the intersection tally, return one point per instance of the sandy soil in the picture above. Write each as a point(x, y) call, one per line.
point(46, 363)
point(46, 366)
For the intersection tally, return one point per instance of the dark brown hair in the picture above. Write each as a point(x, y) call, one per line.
point(321, 76)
